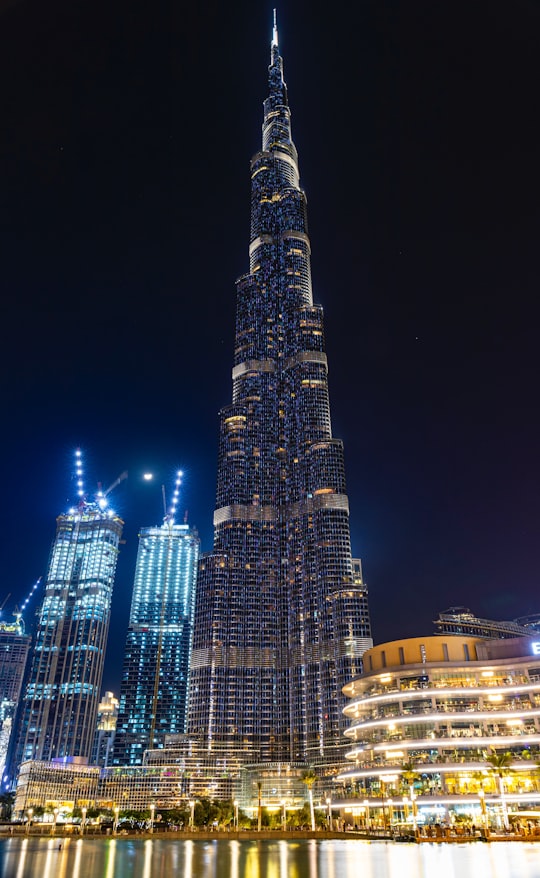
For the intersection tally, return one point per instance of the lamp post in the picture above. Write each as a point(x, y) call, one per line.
point(191, 814)
point(152, 813)
point(83, 821)
point(29, 811)
point(116, 815)
point(235, 803)
point(329, 807)
point(55, 818)
point(283, 816)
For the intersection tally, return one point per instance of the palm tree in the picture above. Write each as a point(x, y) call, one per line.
point(410, 776)
point(501, 767)
point(259, 805)
point(309, 778)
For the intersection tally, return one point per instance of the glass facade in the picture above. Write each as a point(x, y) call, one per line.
point(60, 703)
point(281, 611)
point(440, 720)
point(14, 649)
point(153, 696)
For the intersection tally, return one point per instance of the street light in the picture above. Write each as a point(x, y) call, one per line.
point(329, 806)
point(55, 818)
point(192, 814)
point(152, 812)
point(235, 803)
point(283, 815)
point(30, 811)
point(83, 821)
point(116, 815)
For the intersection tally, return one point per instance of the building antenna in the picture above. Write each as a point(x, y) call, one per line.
point(275, 33)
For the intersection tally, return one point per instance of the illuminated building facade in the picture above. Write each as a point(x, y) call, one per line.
point(153, 695)
point(14, 649)
point(430, 717)
point(460, 620)
point(105, 730)
point(60, 703)
point(281, 615)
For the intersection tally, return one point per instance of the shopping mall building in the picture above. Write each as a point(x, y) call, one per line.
point(445, 729)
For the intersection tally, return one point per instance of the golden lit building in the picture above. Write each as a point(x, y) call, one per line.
point(444, 729)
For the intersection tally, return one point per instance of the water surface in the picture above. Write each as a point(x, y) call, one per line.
point(343, 858)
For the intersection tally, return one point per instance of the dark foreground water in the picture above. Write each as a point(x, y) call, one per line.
point(125, 858)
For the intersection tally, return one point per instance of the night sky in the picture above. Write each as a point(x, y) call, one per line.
point(125, 140)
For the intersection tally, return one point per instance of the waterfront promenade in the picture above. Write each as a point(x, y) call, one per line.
point(437, 835)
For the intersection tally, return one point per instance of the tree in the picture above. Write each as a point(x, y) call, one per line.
point(500, 767)
point(309, 778)
point(259, 804)
point(410, 776)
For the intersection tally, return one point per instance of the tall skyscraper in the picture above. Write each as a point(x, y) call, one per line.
point(154, 688)
point(14, 649)
point(105, 730)
point(281, 616)
point(59, 709)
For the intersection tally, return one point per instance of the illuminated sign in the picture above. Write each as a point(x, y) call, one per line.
point(535, 646)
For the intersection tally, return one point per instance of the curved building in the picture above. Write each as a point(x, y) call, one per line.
point(435, 716)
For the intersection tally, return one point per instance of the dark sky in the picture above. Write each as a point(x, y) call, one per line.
point(125, 139)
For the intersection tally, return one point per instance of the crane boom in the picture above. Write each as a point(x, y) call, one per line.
point(120, 478)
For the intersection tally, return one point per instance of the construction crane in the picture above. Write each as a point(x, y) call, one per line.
point(102, 495)
point(120, 478)
point(4, 602)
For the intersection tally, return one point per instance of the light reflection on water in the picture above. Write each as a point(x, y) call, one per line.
point(350, 858)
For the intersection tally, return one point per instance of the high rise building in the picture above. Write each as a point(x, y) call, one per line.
point(107, 718)
point(14, 649)
point(460, 620)
point(154, 688)
point(59, 706)
point(281, 616)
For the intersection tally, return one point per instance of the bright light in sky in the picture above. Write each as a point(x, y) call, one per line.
point(148, 477)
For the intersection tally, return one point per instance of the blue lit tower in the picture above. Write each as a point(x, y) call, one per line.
point(60, 702)
point(14, 650)
point(153, 694)
point(281, 615)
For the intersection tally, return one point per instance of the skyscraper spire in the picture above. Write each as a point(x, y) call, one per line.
point(281, 619)
point(275, 41)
